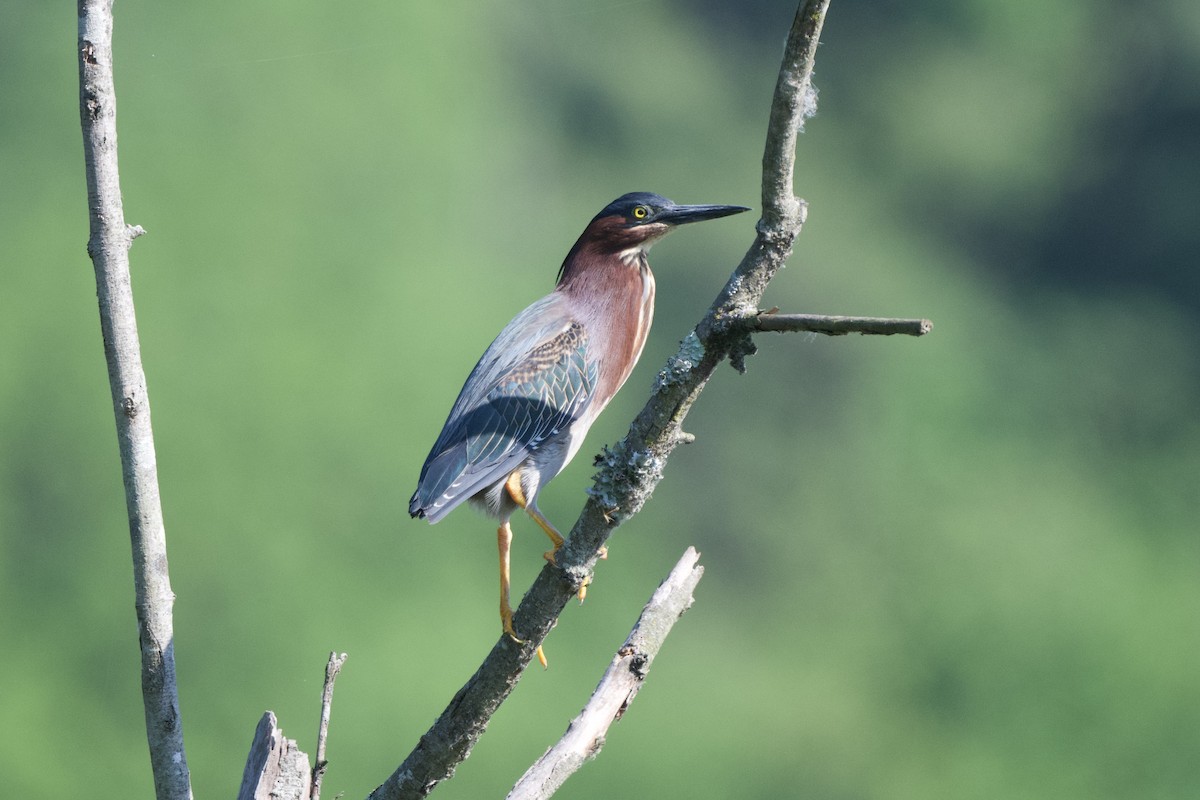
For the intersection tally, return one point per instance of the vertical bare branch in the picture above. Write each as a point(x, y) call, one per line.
point(783, 213)
point(331, 672)
point(108, 246)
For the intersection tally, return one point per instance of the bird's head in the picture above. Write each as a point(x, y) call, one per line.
point(626, 227)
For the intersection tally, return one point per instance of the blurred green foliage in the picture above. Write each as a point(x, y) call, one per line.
point(965, 566)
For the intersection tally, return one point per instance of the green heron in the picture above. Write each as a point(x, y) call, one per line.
point(525, 408)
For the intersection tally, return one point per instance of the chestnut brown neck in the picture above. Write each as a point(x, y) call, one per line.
point(610, 287)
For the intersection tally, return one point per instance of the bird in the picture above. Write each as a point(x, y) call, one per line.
point(525, 408)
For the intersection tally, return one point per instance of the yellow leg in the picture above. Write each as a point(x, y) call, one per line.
point(513, 485)
point(504, 542)
point(557, 539)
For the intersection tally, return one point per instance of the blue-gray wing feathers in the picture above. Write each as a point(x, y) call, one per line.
point(533, 382)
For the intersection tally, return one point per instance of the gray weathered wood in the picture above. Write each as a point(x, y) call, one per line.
point(332, 668)
point(108, 245)
point(618, 686)
point(276, 768)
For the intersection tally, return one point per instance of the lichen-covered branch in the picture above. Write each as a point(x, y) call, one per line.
point(618, 686)
point(631, 469)
point(108, 246)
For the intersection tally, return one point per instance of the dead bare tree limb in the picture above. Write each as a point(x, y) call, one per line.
point(108, 245)
point(331, 672)
point(838, 326)
point(618, 686)
point(631, 469)
point(276, 768)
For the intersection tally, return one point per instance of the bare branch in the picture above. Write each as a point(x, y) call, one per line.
point(839, 326)
point(276, 769)
point(631, 469)
point(331, 672)
point(617, 688)
point(108, 246)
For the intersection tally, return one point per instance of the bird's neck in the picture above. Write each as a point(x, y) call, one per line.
point(612, 294)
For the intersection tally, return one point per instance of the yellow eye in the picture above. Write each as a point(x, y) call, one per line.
point(641, 212)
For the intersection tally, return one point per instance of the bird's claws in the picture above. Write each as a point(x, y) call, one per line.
point(508, 628)
point(506, 622)
point(541, 655)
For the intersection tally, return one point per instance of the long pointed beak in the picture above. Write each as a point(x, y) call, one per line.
point(681, 215)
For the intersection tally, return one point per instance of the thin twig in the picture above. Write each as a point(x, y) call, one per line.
point(617, 688)
point(632, 468)
point(331, 672)
point(839, 326)
point(108, 246)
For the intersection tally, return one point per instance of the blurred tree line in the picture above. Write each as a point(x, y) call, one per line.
point(961, 566)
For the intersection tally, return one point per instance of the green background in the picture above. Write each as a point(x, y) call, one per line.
point(963, 566)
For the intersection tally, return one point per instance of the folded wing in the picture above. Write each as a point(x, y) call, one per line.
point(530, 385)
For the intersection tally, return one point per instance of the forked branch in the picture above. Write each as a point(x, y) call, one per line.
point(631, 469)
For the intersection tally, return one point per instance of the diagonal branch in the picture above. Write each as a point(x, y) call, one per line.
point(619, 685)
point(631, 469)
point(108, 246)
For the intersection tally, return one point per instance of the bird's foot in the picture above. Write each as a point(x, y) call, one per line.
point(582, 593)
point(506, 616)
point(556, 539)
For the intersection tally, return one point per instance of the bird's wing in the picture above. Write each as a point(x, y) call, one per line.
point(532, 382)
